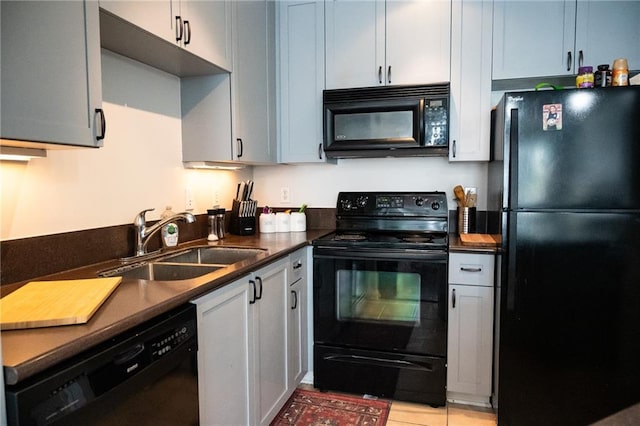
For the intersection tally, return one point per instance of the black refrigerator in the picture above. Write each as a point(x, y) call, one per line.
point(564, 192)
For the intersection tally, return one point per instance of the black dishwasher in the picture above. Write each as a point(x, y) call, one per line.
point(147, 375)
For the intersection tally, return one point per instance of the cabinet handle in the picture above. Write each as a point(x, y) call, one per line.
point(453, 298)
point(320, 151)
point(259, 281)
point(466, 269)
point(240, 147)
point(453, 148)
point(580, 58)
point(253, 285)
point(298, 265)
point(380, 74)
point(389, 74)
point(178, 28)
point(103, 124)
point(569, 61)
point(187, 35)
point(295, 300)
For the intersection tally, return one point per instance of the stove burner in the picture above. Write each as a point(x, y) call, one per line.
point(350, 237)
point(418, 238)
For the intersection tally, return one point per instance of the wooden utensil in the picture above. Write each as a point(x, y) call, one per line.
point(458, 190)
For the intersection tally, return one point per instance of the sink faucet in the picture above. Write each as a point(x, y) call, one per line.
point(143, 232)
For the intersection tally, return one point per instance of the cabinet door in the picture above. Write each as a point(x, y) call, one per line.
point(470, 80)
point(206, 118)
point(470, 340)
point(51, 75)
point(532, 38)
point(270, 340)
point(301, 77)
point(208, 30)
point(418, 41)
point(607, 30)
point(157, 16)
point(354, 48)
point(224, 355)
point(253, 82)
point(296, 331)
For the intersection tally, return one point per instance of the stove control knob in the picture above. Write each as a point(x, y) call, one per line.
point(435, 205)
point(362, 201)
point(346, 204)
point(419, 202)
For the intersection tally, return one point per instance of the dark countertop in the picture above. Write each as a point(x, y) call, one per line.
point(30, 351)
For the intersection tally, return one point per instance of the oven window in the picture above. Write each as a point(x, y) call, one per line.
point(380, 296)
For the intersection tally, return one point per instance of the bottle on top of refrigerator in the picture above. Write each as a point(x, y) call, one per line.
point(620, 75)
point(170, 230)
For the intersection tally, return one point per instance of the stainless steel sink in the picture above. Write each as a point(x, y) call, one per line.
point(183, 265)
point(162, 272)
point(213, 255)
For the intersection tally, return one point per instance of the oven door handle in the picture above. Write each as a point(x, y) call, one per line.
point(382, 254)
point(359, 359)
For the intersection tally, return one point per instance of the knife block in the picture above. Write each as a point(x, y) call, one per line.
point(243, 217)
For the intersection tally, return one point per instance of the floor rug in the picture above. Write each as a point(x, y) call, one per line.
point(312, 408)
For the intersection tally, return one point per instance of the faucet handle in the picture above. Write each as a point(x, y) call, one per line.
point(140, 219)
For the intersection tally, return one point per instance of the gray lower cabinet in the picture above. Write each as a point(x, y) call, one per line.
point(470, 328)
point(51, 76)
point(297, 325)
point(244, 338)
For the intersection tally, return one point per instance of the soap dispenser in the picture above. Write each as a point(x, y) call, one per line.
point(169, 230)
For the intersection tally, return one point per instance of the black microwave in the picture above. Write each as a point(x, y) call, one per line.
point(389, 121)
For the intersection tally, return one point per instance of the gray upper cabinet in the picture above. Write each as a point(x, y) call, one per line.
point(301, 78)
point(376, 43)
point(182, 37)
point(51, 75)
point(253, 82)
point(230, 118)
point(534, 39)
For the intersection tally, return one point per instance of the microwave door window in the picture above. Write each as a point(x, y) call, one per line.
point(384, 127)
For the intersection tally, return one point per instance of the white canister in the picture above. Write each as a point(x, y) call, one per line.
point(283, 222)
point(267, 222)
point(298, 222)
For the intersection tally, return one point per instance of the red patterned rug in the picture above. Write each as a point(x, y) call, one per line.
point(311, 408)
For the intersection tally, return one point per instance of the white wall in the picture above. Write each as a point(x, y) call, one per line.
point(318, 185)
point(140, 166)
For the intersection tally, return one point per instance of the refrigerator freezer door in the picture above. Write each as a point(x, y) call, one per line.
point(573, 149)
point(570, 318)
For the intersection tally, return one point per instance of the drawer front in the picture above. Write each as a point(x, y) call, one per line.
point(471, 269)
point(298, 265)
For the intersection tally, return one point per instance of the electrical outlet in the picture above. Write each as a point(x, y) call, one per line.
point(188, 196)
point(285, 195)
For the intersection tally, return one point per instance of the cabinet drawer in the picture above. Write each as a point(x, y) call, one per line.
point(298, 265)
point(471, 269)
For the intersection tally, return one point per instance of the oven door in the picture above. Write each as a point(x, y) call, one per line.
point(383, 300)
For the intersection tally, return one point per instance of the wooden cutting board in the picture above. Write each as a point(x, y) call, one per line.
point(481, 240)
point(50, 303)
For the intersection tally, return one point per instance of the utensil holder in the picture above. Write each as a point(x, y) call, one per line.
point(243, 217)
point(466, 220)
point(298, 222)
